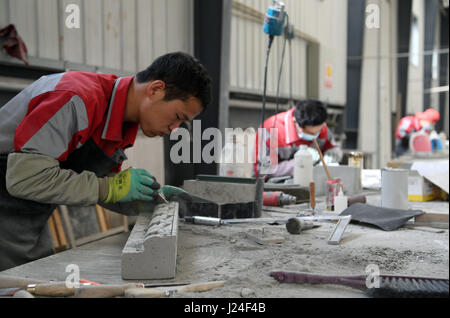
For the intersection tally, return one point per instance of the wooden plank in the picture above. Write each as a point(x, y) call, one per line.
point(101, 218)
point(125, 223)
point(68, 224)
point(107, 216)
point(435, 220)
point(59, 229)
point(51, 225)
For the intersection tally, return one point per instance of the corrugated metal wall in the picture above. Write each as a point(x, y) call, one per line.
point(114, 35)
point(248, 53)
point(376, 131)
point(322, 21)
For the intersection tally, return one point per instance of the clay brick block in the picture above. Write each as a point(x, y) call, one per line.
point(151, 249)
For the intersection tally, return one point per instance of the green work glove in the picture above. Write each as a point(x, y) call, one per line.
point(170, 192)
point(131, 185)
point(332, 155)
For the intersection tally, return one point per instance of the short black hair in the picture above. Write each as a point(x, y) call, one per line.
point(310, 112)
point(183, 74)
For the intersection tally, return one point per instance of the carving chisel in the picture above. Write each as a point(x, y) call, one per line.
point(157, 292)
point(162, 198)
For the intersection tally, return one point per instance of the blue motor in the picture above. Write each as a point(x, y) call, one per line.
point(275, 17)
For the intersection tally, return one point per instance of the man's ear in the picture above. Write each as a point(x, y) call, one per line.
point(156, 87)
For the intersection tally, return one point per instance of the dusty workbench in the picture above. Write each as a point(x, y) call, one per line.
point(208, 253)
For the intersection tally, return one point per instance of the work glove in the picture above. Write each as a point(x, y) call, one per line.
point(131, 185)
point(171, 192)
point(333, 155)
point(315, 155)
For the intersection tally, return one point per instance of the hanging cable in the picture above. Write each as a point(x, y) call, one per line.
point(273, 26)
point(281, 68)
point(263, 111)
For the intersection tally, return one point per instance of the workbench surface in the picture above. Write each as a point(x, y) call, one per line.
point(208, 253)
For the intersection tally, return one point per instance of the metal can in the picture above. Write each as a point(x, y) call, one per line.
point(394, 188)
point(333, 187)
point(356, 159)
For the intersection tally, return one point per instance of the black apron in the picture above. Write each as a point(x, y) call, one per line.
point(24, 232)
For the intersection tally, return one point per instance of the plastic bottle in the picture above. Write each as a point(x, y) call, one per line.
point(303, 167)
point(231, 163)
point(340, 202)
point(436, 143)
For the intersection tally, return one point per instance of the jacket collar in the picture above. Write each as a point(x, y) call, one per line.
point(116, 110)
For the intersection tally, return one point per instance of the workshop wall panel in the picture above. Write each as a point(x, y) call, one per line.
point(375, 119)
point(94, 23)
point(22, 14)
point(47, 29)
point(115, 36)
point(73, 39)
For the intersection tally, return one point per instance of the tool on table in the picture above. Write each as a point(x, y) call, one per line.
point(12, 285)
point(161, 196)
point(23, 294)
point(14, 281)
point(339, 229)
point(321, 158)
point(389, 285)
point(334, 238)
point(157, 293)
point(56, 289)
point(278, 198)
point(312, 198)
point(203, 220)
point(357, 199)
point(296, 226)
point(165, 284)
point(88, 282)
point(105, 291)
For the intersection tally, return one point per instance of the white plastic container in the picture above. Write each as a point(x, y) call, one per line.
point(236, 159)
point(340, 202)
point(394, 188)
point(303, 167)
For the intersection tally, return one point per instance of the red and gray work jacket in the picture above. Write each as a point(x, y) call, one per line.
point(59, 113)
point(407, 126)
point(288, 140)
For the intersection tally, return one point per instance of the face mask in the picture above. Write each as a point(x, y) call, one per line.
point(427, 128)
point(308, 137)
